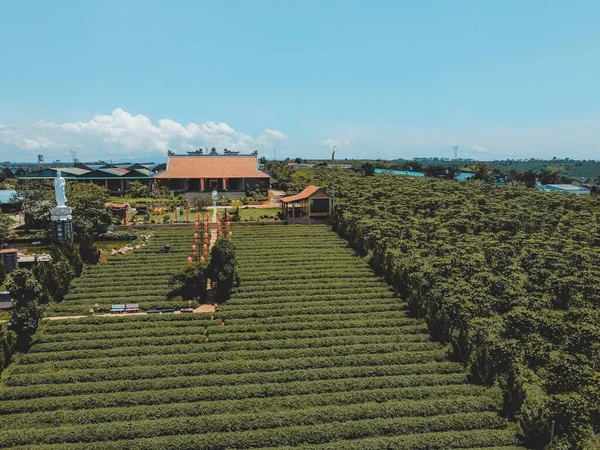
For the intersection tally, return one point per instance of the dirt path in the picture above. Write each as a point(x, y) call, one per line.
point(201, 309)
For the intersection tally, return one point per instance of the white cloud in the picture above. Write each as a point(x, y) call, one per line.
point(478, 148)
point(123, 134)
point(330, 142)
point(276, 135)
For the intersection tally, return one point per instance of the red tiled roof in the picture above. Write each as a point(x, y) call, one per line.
point(212, 167)
point(8, 250)
point(309, 191)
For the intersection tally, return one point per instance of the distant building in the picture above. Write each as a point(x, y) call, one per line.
point(463, 176)
point(569, 188)
point(207, 172)
point(409, 173)
point(115, 178)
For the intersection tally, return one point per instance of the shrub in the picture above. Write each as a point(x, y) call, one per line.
point(222, 268)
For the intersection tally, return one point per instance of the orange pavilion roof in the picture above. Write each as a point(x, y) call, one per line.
point(212, 167)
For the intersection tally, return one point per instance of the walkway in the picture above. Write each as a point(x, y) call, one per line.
point(200, 309)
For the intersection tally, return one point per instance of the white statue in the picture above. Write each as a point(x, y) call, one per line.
point(215, 197)
point(59, 189)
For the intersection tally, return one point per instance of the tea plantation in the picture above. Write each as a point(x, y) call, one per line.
point(311, 351)
point(139, 277)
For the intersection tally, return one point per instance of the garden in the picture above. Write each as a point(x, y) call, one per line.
point(312, 349)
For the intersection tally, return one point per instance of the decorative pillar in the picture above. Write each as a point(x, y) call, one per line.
point(224, 184)
point(202, 184)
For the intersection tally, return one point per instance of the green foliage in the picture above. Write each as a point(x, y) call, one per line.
point(202, 202)
point(38, 199)
point(89, 209)
point(69, 253)
point(2, 272)
point(222, 267)
point(190, 283)
point(5, 224)
point(26, 292)
point(90, 254)
point(8, 345)
point(508, 276)
point(368, 169)
point(137, 189)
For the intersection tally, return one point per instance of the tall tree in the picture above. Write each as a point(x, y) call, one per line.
point(88, 201)
point(222, 268)
point(26, 291)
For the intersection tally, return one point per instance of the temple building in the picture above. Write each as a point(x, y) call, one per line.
point(208, 172)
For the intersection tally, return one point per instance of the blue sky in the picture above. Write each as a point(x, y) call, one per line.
point(130, 79)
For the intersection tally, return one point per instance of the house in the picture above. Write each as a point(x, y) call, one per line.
point(313, 203)
point(208, 172)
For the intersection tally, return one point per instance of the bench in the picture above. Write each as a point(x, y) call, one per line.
point(117, 309)
point(167, 311)
point(5, 306)
point(153, 311)
point(132, 308)
point(187, 310)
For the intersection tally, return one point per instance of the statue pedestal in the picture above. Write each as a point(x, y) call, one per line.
point(62, 223)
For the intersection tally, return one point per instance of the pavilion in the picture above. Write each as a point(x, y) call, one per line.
point(207, 172)
point(313, 203)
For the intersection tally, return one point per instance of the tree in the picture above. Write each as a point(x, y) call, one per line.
point(368, 169)
point(202, 202)
point(190, 282)
point(2, 272)
point(222, 268)
point(26, 291)
point(137, 189)
point(547, 177)
point(69, 252)
point(90, 254)
point(527, 177)
point(482, 172)
point(5, 223)
point(88, 201)
point(38, 198)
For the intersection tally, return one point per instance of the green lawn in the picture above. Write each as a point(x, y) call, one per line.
point(253, 214)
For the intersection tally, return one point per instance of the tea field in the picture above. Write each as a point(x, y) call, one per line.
point(311, 351)
point(140, 276)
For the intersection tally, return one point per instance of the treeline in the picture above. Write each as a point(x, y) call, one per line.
point(32, 290)
point(508, 276)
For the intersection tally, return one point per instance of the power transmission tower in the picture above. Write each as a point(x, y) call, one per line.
point(74, 156)
point(456, 152)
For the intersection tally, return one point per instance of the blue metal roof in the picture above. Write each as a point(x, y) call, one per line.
point(401, 172)
point(5, 196)
point(463, 176)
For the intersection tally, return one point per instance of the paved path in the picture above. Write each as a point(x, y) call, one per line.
point(200, 309)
